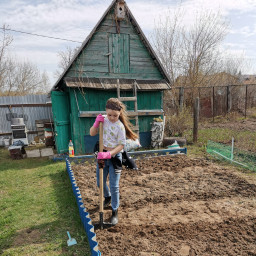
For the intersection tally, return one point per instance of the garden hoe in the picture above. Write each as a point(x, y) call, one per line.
point(71, 241)
point(101, 224)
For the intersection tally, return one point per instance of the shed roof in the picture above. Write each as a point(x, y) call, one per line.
point(141, 34)
point(125, 84)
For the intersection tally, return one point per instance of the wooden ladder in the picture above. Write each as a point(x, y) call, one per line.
point(134, 113)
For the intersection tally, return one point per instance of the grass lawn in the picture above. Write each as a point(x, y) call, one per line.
point(243, 139)
point(38, 208)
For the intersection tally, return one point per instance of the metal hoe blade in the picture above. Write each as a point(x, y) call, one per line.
point(102, 225)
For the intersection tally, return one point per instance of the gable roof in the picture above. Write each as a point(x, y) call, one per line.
point(140, 32)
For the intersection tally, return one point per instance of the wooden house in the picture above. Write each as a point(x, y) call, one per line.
point(115, 60)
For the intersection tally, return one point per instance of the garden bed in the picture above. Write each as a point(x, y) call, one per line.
point(174, 205)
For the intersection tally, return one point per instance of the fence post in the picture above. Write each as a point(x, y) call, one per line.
point(213, 105)
point(246, 94)
point(232, 149)
point(228, 99)
point(181, 98)
point(196, 119)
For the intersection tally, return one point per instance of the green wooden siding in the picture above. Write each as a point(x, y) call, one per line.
point(85, 100)
point(119, 53)
point(95, 100)
point(112, 55)
point(61, 117)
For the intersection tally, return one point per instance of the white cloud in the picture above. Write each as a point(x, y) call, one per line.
point(74, 19)
point(245, 31)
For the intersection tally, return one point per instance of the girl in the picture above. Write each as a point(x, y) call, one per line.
point(116, 127)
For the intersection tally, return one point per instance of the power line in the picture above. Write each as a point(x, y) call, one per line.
point(28, 33)
point(63, 39)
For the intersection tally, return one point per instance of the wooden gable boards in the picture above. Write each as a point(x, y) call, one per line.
point(116, 63)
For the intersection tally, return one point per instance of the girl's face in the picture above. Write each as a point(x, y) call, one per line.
point(113, 115)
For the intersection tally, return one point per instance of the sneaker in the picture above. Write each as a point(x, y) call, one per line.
point(107, 201)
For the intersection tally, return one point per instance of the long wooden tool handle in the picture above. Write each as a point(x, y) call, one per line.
point(101, 137)
point(101, 169)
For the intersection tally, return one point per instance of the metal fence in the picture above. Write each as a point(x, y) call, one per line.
point(228, 110)
point(214, 101)
point(30, 107)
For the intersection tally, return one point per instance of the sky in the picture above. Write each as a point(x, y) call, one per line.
point(74, 20)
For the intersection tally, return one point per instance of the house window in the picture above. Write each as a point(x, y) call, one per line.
point(119, 49)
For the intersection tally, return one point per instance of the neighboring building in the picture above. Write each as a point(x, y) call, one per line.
point(248, 79)
point(217, 79)
point(115, 53)
point(31, 108)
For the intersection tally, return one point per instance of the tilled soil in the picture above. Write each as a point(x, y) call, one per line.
point(175, 205)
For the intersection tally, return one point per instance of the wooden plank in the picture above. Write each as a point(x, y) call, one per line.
point(121, 68)
point(160, 151)
point(137, 46)
point(111, 23)
point(145, 70)
point(91, 74)
point(90, 68)
point(99, 43)
point(93, 56)
point(141, 59)
point(136, 50)
point(136, 39)
point(100, 48)
point(110, 16)
point(149, 113)
point(143, 64)
point(128, 98)
point(26, 105)
point(110, 48)
point(104, 65)
point(141, 68)
point(129, 113)
point(99, 37)
point(141, 54)
point(94, 62)
point(112, 29)
point(95, 53)
point(135, 36)
point(126, 54)
point(115, 47)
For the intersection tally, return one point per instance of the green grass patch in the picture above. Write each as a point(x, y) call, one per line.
point(37, 208)
point(244, 140)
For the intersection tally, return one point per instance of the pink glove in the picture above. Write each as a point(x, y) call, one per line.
point(104, 155)
point(98, 119)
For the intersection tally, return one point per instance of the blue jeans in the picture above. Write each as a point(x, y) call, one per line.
point(114, 179)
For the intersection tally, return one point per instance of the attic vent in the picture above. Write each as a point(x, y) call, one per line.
point(120, 10)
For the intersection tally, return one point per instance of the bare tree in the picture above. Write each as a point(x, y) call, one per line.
point(190, 53)
point(167, 42)
point(65, 58)
point(25, 78)
point(16, 77)
point(5, 41)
